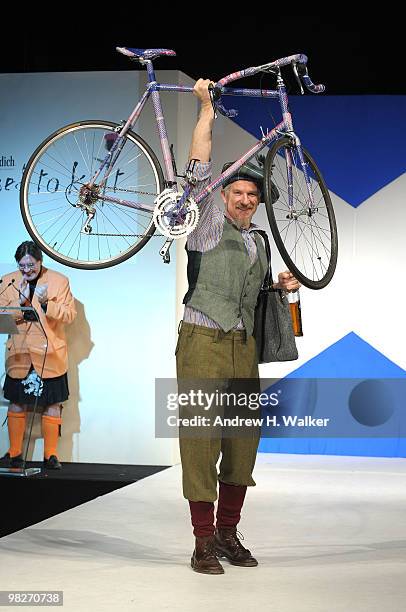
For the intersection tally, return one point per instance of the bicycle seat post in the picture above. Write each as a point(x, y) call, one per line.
point(150, 69)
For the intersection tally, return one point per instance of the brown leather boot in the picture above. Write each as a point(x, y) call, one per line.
point(228, 545)
point(204, 559)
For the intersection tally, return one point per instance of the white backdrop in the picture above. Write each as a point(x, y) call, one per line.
point(135, 307)
point(125, 332)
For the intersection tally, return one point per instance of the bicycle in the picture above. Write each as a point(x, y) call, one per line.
point(94, 192)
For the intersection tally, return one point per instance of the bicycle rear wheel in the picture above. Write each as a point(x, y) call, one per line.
point(90, 232)
point(305, 235)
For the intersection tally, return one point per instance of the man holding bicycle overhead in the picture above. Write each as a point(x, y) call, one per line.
point(226, 267)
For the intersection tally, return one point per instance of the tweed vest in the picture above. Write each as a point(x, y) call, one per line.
point(223, 283)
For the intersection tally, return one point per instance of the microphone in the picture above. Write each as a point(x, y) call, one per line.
point(37, 319)
point(7, 286)
point(26, 299)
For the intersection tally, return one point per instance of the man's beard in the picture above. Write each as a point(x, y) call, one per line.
point(242, 223)
point(239, 223)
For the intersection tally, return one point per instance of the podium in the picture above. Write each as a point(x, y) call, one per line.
point(26, 345)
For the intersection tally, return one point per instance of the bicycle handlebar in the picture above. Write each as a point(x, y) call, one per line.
point(308, 83)
point(298, 63)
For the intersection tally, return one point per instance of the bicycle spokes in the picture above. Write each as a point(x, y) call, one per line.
point(301, 219)
point(79, 219)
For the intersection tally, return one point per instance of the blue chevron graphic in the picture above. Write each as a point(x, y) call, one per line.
point(351, 357)
point(357, 141)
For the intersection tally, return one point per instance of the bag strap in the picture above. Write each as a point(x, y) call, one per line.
point(268, 280)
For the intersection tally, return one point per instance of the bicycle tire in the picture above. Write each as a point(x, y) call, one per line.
point(322, 257)
point(127, 223)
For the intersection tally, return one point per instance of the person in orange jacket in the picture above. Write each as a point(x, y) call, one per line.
point(28, 377)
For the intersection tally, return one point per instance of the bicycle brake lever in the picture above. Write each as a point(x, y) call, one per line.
point(215, 92)
point(299, 82)
point(231, 112)
point(215, 96)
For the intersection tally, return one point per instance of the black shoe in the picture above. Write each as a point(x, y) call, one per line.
point(14, 462)
point(52, 463)
point(5, 460)
point(228, 544)
point(204, 558)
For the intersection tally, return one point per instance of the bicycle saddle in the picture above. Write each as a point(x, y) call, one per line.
point(146, 54)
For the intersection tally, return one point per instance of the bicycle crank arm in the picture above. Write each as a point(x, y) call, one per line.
point(164, 252)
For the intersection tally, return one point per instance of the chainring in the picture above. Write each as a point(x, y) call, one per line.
point(171, 224)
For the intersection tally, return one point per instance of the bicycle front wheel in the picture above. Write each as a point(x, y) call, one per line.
point(96, 227)
point(303, 225)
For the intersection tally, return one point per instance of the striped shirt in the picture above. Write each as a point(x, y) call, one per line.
point(208, 234)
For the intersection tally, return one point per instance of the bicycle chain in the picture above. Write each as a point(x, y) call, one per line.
point(129, 235)
point(154, 195)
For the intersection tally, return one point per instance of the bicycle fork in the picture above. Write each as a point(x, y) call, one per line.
point(310, 207)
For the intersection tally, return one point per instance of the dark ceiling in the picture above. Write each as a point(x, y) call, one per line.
point(350, 56)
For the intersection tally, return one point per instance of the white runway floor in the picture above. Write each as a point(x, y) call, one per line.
point(329, 534)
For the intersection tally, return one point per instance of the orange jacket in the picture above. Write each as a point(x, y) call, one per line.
point(28, 347)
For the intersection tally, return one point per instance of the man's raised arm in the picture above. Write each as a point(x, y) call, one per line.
point(201, 140)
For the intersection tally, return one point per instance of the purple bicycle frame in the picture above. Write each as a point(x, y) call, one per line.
point(152, 90)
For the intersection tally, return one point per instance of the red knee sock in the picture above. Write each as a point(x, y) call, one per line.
point(202, 516)
point(231, 499)
point(16, 429)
